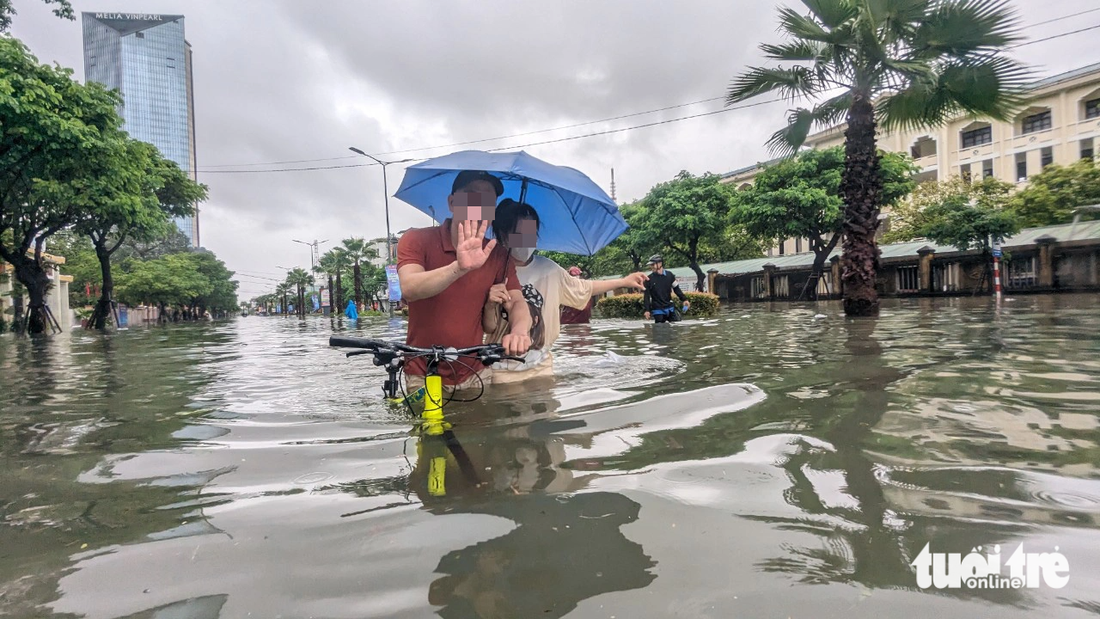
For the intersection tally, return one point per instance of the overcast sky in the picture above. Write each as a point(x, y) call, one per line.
point(284, 80)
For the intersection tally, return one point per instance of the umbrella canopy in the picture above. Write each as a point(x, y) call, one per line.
point(577, 216)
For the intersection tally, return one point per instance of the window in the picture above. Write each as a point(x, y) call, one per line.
point(780, 285)
point(908, 279)
point(1021, 272)
point(1047, 156)
point(987, 168)
point(1092, 108)
point(782, 249)
point(756, 288)
point(964, 172)
point(1021, 167)
point(945, 277)
point(977, 137)
point(1036, 122)
point(1087, 148)
point(798, 246)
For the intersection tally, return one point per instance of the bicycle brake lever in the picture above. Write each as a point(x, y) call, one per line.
point(359, 352)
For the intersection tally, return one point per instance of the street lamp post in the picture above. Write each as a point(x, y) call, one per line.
point(386, 197)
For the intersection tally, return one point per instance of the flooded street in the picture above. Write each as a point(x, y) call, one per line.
point(764, 463)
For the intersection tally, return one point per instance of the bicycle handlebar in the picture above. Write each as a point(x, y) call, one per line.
point(483, 350)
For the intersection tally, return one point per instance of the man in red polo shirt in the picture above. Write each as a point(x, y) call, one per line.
point(446, 273)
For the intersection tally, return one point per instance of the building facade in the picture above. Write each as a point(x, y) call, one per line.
point(148, 60)
point(1059, 124)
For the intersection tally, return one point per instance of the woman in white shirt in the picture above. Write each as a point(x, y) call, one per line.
point(546, 286)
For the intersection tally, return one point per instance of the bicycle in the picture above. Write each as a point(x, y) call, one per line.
point(392, 356)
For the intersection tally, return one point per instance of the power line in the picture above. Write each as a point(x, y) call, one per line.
point(554, 141)
point(582, 124)
point(1050, 21)
point(573, 126)
point(1053, 36)
point(652, 124)
point(237, 165)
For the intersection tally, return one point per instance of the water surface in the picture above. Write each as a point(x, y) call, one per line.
point(775, 461)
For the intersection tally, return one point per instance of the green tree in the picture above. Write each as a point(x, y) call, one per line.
point(909, 218)
point(80, 263)
point(358, 252)
point(172, 241)
point(299, 279)
point(63, 10)
point(1052, 195)
point(341, 263)
point(899, 63)
point(973, 219)
point(136, 200)
point(173, 280)
point(800, 198)
point(685, 216)
point(58, 140)
point(281, 292)
point(329, 266)
point(968, 225)
point(221, 295)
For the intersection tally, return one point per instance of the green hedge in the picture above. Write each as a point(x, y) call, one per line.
point(630, 305)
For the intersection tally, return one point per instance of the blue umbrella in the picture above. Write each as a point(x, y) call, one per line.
point(577, 216)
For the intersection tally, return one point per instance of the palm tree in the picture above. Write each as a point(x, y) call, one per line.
point(342, 264)
point(299, 278)
point(358, 252)
point(281, 290)
point(329, 266)
point(903, 64)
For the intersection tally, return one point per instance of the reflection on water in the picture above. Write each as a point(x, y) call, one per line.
point(763, 462)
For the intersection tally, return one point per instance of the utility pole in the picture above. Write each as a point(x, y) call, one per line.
point(312, 251)
point(613, 186)
point(386, 197)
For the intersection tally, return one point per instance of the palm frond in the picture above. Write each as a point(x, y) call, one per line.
point(787, 141)
point(911, 70)
point(962, 27)
point(796, 50)
point(804, 27)
point(992, 87)
point(832, 13)
point(792, 82)
point(920, 105)
point(832, 111)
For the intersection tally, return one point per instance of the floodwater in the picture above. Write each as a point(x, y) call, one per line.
point(776, 461)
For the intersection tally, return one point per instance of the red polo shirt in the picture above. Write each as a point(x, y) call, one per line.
point(452, 317)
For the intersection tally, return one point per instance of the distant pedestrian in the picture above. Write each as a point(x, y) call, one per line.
point(658, 293)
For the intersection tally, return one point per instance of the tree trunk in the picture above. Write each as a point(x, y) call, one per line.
point(861, 189)
point(358, 286)
point(34, 278)
point(331, 297)
point(821, 255)
point(339, 302)
point(162, 314)
point(103, 306)
point(700, 276)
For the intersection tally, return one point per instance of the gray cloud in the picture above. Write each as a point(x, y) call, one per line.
point(283, 80)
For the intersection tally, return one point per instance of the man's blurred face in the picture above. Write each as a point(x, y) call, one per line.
point(476, 201)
